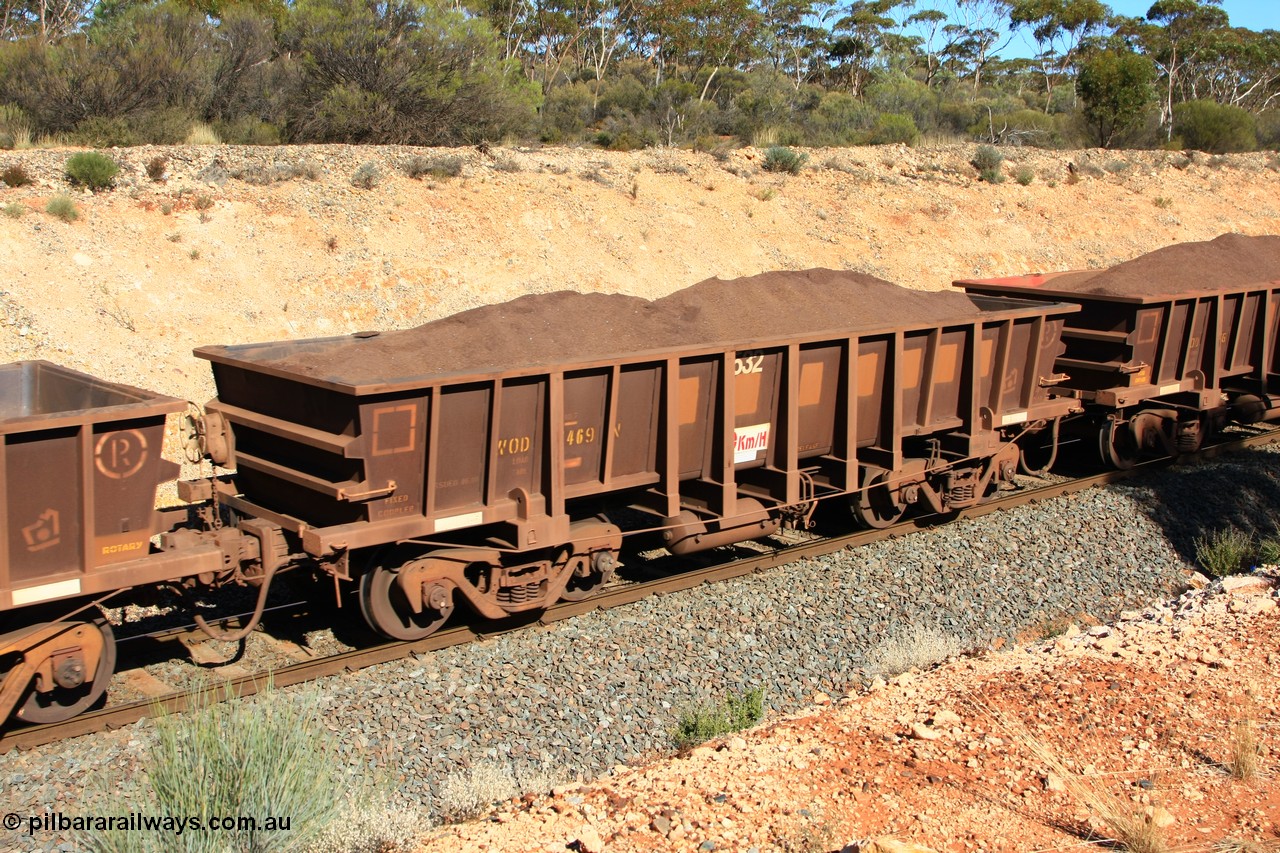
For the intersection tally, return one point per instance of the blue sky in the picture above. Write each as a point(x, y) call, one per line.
point(1253, 14)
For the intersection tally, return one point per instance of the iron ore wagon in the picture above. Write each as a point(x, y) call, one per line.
point(1169, 347)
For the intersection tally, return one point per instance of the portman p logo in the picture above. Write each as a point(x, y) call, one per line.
point(749, 442)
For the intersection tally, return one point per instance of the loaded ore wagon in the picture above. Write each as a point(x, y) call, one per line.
point(475, 458)
point(1168, 347)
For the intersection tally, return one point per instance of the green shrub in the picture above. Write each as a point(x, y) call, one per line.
point(367, 176)
point(701, 724)
point(438, 167)
point(986, 157)
point(779, 158)
point(1025, 175)
point(16, 176)
point(1224, 552)
point(62, 207)
point(992, 175)
point(269, 758)
point(93, 170)
point(13, 210)
point(894, 128)
point(1214, 128)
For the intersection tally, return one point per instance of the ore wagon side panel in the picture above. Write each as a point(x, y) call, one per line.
point(80, 461)
point(1124, 350)
point(524, 453)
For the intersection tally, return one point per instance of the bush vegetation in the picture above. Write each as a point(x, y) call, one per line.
point(987, 160)
point(447, 166)
point(737, 712)
point(628, 76)
point(366, 176)
point(15, 176)
point(1214, 128)
point(269, 757)
point(779, 158)
point(92, 170)
point(1224, 552)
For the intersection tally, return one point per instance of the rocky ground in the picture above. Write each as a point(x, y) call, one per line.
point(1102, 733)
point(239, 244)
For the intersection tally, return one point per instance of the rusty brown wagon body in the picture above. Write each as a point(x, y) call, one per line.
point(491, 483)
point(80, 461)
point(1161, 371)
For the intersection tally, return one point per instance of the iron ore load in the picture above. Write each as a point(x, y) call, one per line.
point(485, 461)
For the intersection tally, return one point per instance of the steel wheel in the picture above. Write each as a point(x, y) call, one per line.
point(386, 608)
point(1116, 445)
point(63, 703)
point(877, 506)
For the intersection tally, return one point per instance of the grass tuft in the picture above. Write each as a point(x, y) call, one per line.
point(202, 134)
point(366, 176)
point(699, 725)
point(13, 210)
point(62, 207)
point(1244, 758)
point(270, 757)
point(1130, 826)
point(912, 648)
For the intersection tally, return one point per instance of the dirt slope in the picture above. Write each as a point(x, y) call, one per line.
point(202, 257)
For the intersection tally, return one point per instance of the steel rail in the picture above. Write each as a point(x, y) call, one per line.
point(116, 717)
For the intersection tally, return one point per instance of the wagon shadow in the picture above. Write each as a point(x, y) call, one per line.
point(1192, 501)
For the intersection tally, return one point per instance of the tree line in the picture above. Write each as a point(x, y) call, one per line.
point(630, 73)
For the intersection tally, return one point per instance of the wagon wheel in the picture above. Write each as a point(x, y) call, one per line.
point(386, 608)
point(63, 703)
point(1116, 445)
point(877, 505)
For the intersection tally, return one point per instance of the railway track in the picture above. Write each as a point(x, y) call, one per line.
point(117, 716)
